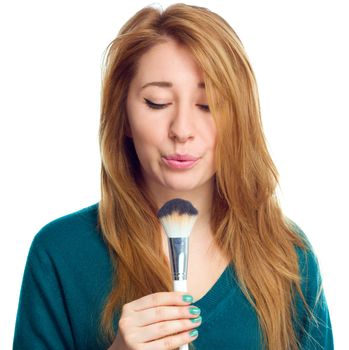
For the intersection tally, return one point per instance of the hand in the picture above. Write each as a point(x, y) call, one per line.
point(159, 321)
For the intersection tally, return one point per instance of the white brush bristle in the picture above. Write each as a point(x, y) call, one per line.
point(178, 225)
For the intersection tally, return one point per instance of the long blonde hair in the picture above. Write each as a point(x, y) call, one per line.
point(246, 219)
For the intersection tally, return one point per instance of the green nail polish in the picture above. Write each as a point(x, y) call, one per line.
point(194, 310)
point(196, 320)
point(194, 333)
point(187, 298)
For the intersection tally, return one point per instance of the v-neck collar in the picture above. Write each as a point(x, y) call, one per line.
point(218, 291)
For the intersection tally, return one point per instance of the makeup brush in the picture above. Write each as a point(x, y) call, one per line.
point(177, 217)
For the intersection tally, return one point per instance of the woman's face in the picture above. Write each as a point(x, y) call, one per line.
point(171, 126)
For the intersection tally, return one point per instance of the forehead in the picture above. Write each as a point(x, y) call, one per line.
point(168, 62)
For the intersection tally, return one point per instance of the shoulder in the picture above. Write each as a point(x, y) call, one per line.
point(67, 276)
point(309, 268)
point(69, 234)
point(316, 330)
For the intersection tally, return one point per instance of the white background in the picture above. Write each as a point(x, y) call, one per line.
point(50, 72)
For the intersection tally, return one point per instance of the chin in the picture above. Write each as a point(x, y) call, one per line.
point(182, 186)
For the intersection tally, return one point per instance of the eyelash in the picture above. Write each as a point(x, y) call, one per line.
point(153, 105)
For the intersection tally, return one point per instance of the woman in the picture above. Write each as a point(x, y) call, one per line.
point(179, 118)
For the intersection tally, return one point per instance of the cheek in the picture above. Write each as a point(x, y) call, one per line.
point(147, 137)
point(146, 128)
point(147, 134)
point(209, 133)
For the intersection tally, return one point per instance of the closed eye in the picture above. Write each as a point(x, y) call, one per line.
point(153, 105)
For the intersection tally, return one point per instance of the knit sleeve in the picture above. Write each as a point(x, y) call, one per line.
point(317, 330)
point(42, 320)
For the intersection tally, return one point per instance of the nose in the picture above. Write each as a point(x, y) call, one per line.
point(181, 126)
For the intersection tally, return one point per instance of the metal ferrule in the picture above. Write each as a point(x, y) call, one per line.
point(179, 250)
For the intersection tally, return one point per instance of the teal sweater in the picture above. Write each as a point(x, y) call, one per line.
point(68, 275)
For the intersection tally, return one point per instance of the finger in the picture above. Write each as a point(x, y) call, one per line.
point(165, 313)
point(167, 328)
point(158, 299)
point(173, 341)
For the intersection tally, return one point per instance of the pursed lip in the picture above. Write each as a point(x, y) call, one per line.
point(181, 157)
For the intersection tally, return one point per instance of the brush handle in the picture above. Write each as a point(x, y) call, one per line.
point(179, 249)
point(181, 286)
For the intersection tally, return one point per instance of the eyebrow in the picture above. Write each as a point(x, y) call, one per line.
point(167, 84)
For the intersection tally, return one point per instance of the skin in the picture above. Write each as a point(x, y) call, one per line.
point(183, 126)
point(157, 321)
point(162, 320)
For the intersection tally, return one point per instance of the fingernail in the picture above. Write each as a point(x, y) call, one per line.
point(187, 298)
point(194, 310)
point(196, 320)
point(194, 333)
